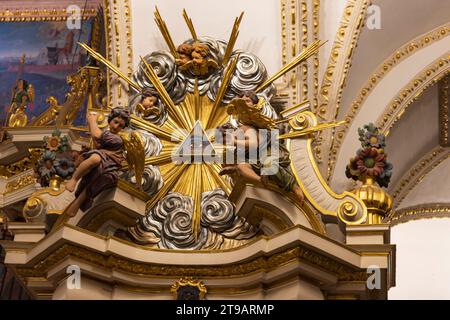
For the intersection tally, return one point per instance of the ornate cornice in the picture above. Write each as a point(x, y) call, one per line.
point(259, 264)
point(337, 70)
point(394, 59)
point(427, 211)
point(444, 109)
point(424, 166)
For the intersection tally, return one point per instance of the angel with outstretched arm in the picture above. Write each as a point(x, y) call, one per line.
point(100, 168)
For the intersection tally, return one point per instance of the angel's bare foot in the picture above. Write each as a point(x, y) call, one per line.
point(298, 193)
point(71, 184)
point(227, 170)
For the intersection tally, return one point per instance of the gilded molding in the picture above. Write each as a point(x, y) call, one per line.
point(316, 62)
point(444, 108)
point(411, 92)
point(414, 176)
point(20, 183)
point(31, 15)
point(22, 165)
point(428, 211)
point(119, 47)
point(398, 56)
point(336, 72)
point(343, 271)
point(299, 27)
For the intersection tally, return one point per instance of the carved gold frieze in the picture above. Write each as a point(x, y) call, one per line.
point(261, 264)
point(19, 183)
point(22, 165)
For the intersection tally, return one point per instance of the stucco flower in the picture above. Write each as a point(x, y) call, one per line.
point(53, 143)
point(64, 167)
point(370, 162)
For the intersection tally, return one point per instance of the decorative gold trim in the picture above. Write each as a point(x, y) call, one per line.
point(427, 211)
point(336, 72)
point(20, 183)
point(24, 164)
point(119, 47)
point(265, 264)
point(444, 109)
point(411, 92)
point(31, 15)
point(424, 166)
point(188, 282)
point(316, 63)
point(394, 59)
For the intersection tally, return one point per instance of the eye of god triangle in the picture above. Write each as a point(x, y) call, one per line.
point(196, 147)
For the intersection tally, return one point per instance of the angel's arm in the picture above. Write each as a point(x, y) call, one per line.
point(94, 130)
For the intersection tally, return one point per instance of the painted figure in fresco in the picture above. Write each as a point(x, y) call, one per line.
point(99, 169)
point(148, 105)
point(257, 171)
point(23, 94)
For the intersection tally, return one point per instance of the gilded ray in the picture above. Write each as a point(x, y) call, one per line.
point(110, 66)
point(157, 131)
point(154, 79)
point(223, 87)
point(305, 54)
point(171, 178)
point(190, 25)
point(232, 41)
point(165, 33)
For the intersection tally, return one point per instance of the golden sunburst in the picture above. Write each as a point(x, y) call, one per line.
point(191, 178)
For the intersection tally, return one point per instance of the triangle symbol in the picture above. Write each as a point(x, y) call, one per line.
point(196, 148)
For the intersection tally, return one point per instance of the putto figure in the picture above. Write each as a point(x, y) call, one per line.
point(100, 167)
point(269, 166)
point(148, 105)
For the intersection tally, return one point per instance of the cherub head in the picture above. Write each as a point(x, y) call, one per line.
point(250, 98)
point(184, 51)
point(118, 120)
point(199, 53)
point(185, 48)
point(148, 100)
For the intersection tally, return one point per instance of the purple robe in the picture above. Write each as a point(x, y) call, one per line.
point(105, 175)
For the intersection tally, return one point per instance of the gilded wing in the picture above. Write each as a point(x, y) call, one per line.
point(135, 153)
point(31, 92)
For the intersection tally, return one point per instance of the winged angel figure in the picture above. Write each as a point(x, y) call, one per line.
point(99, 168)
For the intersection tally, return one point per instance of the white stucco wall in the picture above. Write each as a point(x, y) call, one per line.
point(260, 29)
point(423, 260)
